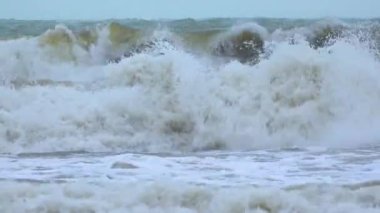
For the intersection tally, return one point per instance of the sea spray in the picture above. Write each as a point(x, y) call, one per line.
point(59, 93)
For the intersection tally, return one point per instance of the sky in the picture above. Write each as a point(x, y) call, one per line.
point(177, 9)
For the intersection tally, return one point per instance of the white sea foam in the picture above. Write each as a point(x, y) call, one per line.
point(168, 197)
point(60, 94)
point(272, 168)
point(178, 101)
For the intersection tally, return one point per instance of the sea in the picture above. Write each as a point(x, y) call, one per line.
point(222, 115)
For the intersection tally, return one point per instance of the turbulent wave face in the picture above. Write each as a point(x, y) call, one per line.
point(188, 85)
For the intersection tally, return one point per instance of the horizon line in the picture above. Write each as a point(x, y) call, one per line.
point(196, 19)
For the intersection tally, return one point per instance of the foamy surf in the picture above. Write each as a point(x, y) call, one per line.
point(166, 97)
point(219, 115)
point(292, 180)
point(166, 197)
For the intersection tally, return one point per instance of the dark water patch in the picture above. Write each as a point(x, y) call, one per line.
point(60, 154)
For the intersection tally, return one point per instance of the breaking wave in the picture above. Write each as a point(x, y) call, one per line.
point(114, 87)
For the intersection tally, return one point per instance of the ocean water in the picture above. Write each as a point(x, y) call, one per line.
point(216, 115)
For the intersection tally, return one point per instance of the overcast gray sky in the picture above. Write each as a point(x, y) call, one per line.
point(171, 9)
